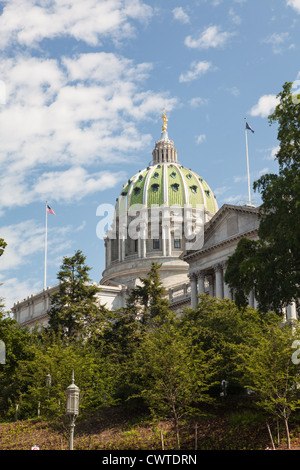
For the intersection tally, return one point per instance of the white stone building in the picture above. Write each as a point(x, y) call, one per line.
point(179, 226)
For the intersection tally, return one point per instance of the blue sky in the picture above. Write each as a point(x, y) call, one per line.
point(83, 85)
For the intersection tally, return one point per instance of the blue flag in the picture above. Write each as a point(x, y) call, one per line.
point(249, 127)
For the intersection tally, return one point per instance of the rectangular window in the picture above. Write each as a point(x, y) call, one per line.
point(177, 243)
point(156, 244)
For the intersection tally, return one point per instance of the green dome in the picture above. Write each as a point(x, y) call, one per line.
point(166, 184)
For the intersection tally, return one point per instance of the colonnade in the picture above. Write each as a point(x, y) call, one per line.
point(211, 281)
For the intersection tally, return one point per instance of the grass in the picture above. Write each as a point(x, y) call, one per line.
point(228, 427)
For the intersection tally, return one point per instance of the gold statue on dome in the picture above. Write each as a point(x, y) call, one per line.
point(165, 120)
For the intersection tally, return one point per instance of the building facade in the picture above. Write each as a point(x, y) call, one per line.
point(166, 214)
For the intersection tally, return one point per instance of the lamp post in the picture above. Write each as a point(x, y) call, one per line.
point(72, 407)
point(48, 383)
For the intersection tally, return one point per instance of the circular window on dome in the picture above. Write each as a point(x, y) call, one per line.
point(175, 187)
point(140, 177)
point(173, 174)
point(207, 192)
point(194, 189)
point(189, 176)
point(137, 190)
point(155, 187)
point(156, 175)
point(124, 193)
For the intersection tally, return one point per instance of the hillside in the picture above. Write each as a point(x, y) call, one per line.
point(131, 428)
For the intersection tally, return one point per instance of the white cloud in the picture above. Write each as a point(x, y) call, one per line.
point(198, 101)
point(74, 184)
point(272, 153)
point(221, 190)
point(27, 238)
point(237, 199)
point(200, 138)
point(14, 290)
point(26, 243)
point(236, 19)
point(56, 110)
point(294, 4)
point(210, 37)
point(87, 21)
point(197, 70)
point(262, 172)
point(180, 15)
point(277, 40)
point(266, 104)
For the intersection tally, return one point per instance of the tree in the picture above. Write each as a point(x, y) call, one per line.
point(220, 326)
point(173, 377)
point(268, 368)
point(74, 308)
point(17, 343)
point(51, 356)
point(2, 246)
point(147, 308)
point(149, 301)
point(271, 265)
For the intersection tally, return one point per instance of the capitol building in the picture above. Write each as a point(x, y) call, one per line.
point(165, 214)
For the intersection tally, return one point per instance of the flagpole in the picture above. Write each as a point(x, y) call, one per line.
point(45, 272)
point(248, 173)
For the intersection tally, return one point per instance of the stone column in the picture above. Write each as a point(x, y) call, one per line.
point(291, 311)
point(251, 299)
point(201, 278)
point(166, 240)
point(121, 249)
point(226, 288)
point(108, 251)
point(142, 240)
point(194, 300)
point(227, 291)
point(219, 280)
point(211, 285)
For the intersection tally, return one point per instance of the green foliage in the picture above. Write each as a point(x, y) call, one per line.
point(17, 348)
point(271, 266)
point(148, 301)
point(267, 367)
point(74, 310)
point(50, 355)
point(147, 309)
point(172, 363)
point(175, 375)
point(2, 246)
point(221, 326)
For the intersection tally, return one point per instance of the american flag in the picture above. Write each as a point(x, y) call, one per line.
point(50, 210)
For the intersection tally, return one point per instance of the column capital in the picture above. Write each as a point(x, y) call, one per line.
point(192, 276)
point(218, 266)
point(201, 273)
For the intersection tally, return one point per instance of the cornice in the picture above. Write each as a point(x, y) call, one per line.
point(223, 210)
point(190, 256)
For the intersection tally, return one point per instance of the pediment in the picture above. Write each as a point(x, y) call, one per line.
point(230, 221)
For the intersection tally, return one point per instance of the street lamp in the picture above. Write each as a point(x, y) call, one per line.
point(72, 407)
point(48, 380)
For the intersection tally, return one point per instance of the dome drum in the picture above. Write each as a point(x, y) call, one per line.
point(152, 213)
